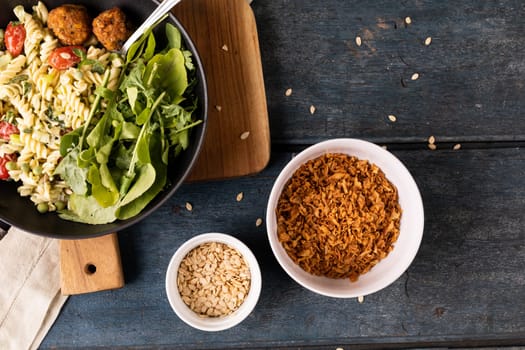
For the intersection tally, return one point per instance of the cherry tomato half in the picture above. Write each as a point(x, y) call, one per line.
point(7, 129)
point(14, 37)
point(64, 57)
point(4, 174)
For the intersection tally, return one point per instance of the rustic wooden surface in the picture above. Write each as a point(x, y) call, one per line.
point(236, 93)
point(90, 265)
point(466, 286)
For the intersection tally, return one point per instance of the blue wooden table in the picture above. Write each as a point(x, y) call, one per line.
point(466, 286)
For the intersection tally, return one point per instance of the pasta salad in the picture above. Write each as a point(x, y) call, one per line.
point(78, 122)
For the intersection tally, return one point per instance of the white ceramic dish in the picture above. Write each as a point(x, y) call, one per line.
point(411, 230)
point(212, 323)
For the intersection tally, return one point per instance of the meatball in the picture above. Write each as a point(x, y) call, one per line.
point(111, 28)
point(70, 23)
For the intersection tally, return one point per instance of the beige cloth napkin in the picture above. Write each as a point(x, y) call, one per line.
point(30, 298)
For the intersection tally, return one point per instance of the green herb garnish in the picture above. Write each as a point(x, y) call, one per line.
point(96, 66)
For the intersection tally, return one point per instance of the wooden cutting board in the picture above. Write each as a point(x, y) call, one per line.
point(225, 34)
point(237, 141)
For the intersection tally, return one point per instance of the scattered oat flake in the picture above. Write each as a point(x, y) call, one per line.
point(224, 47)
point(408, 20)
point(432, 146)
point(428, 41)
point(358, 40)
point(218, 108)
point(392, 118)
point(240, 196)
point(189, 206)
point(414, 76)
point(312, 109)
point(360, 299)
point(245, 135)
point(288, 92)
point(431, 140)
point(258, 222)
point(456, 146)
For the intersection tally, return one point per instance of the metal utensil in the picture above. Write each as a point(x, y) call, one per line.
point(160, 11)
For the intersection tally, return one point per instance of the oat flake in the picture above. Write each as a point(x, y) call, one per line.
point(240, 196)
point(288, 92)
point(428, 41)
point(245, 135)
point(358, 41)
point(213, 279)
point(392, 118)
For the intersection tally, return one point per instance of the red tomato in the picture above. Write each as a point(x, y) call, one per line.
point(4, 174)
point(14, 37)
point(6, 129)
point(64, 57)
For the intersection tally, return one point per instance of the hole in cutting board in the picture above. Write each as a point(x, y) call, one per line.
point(90, 269)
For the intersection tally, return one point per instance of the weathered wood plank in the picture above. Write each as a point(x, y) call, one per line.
point(466, 285)
point(470, 84)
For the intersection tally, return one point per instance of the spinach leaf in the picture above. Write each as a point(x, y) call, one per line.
point(171, 75)
point(118, 161)
point(74, 176)
point(174, 36)
point(86, 209)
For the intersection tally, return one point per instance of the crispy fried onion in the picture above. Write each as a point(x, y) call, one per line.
point(338, 216)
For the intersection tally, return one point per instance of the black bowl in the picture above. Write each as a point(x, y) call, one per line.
point(20, 211)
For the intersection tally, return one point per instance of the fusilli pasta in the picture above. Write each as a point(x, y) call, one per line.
point(45, 103)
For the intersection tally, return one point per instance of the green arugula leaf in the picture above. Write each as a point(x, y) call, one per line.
point(74, 176)
point(161, 174)
point(174, 36)
point(102, 186)
point(69, 141)
point(145, 178)
point(85, 209)
point(150, 47)
point(130, 131)
point(171, 73)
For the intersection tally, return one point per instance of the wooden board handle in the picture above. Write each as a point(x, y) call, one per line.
point(90, 265)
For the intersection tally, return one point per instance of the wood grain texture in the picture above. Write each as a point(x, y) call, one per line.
point(225, 34)
point(470, 78)
point(90, 265)
point(465, 286)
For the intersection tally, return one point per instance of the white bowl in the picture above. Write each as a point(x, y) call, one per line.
point(411, 226)
point(213, 323)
